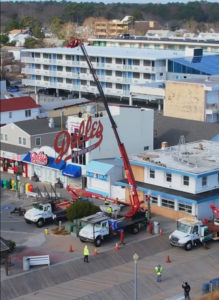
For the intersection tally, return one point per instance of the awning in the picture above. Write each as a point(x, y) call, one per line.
point(98, 167)
point(51, 162)
point(72, 171)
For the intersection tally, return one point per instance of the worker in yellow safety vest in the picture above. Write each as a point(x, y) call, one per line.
point(106, 202)
point(109, 210)
point(86, 253)
point(159, 270)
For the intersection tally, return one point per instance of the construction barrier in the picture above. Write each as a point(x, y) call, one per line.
point(1, 183)
point(156, 227)
point(214, 284)
point(4, 182)
point(13, 184)
point(22, 188)
point(30, 187)
point(27, 187)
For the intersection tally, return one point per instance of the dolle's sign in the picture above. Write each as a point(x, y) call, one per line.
point(64, 141)
point(39, 158)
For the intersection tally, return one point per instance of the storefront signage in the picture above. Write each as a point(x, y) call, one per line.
point(87, 131)
point(39, 158)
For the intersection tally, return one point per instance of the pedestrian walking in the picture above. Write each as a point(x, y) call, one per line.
point(86, 254)
point(187, 289)
point(159, 270)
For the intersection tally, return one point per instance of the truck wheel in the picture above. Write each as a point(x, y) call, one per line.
point(40, 223)
point(98, 242)
point(135, 229)
point(188, 246)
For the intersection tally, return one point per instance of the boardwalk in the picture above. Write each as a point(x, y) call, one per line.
point(110, 274)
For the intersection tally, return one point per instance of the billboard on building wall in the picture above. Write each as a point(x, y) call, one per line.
point(184, 100)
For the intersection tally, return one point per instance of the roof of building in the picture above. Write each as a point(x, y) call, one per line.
point(170, 129)
point(208, 64)
point(208, 81)
point(39, 126)
point(195, 158)
point(113, 52)
point(14, 149)
point(3, 245)
point(18, 103)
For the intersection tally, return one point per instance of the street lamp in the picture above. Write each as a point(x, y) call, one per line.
point(135, 258)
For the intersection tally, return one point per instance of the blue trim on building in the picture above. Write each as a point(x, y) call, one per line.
point(169, 196)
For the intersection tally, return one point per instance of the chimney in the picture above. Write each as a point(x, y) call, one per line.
point(164, 145)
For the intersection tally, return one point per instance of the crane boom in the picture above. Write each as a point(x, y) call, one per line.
point(134, 200)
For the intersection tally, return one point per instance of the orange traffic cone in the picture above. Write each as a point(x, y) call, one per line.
point(161, 232)
point(95, 251)
point(70, 249)
point(168, 259)
point(116, 247)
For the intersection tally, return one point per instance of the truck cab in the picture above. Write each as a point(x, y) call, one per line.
point(96, 228)
point(189, 233)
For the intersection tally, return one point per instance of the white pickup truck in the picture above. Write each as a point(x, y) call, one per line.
point(99, 226)
point(45, 213)
point(190, 232)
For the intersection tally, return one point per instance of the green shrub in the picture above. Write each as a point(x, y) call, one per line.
point(11, 245)
point(80, 209)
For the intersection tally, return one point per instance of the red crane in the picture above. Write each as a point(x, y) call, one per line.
point(134, 200)
point(215, 210)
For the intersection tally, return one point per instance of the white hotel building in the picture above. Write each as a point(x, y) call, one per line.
point(117, 69)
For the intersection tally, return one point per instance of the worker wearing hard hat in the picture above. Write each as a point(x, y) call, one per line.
point(159, 270)
point(86, 253)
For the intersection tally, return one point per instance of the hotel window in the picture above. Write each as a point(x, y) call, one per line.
point(45, 67)
point(118, 86)
point(108, 85)
point(152, 173)
point(68, 80)
point(168, 177)
point(20, 140)
point(204, 181)
point(147, 76)
point(27, 113)
point(68, 69)
point(108, 72)
point(136, 75)
point(38, 141)
point(167, 203)
point(136, 62)
point(108, 60)
point(6, 137)
point(118, 73)
point(185, 207)
point(38, 77)
point(68, 57)
point(118, 61)
point(185, 180)
point(59, 56)
point(60, 79)
point(83, 70)
point(147, 63)
point(60, 68)
point(24, 141)
point(83, 82)
point(10, 114)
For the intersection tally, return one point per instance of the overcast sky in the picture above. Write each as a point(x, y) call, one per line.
point(119, 1)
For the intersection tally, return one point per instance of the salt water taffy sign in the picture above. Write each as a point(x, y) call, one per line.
point(87, 131)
